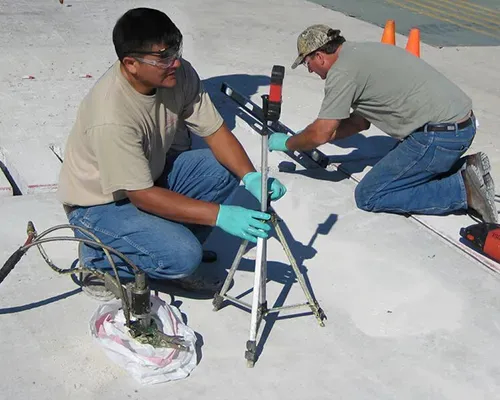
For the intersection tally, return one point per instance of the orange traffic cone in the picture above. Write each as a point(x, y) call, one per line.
point(413, 45)
point(389, 35)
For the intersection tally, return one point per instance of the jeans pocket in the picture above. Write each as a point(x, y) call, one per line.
point(416, 144)
point(76, 215)
point(82, 217)
point(444, 159)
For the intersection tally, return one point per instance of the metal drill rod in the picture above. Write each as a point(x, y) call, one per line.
point(259, 295)
point(259, 303)
point(264, 207)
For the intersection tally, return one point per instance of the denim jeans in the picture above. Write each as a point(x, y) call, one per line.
point(420, 175)
point(164, 249)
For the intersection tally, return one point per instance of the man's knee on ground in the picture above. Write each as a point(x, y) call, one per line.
point(364, 198)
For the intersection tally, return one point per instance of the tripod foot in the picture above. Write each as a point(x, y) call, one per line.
point(217, 302)
point(251, 353)
point(319, 314)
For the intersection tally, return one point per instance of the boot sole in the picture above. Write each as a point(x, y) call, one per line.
point(482, 163)
point(483, 201)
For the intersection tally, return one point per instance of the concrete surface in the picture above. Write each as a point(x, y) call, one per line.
point(410, 316)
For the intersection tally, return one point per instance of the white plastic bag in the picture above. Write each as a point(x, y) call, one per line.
point(144, 362)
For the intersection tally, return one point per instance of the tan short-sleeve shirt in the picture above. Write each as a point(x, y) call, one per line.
point(120, 137)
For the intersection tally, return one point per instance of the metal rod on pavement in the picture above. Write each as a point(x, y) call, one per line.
point(259, 294)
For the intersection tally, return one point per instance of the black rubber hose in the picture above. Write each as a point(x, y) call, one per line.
point(11, 263)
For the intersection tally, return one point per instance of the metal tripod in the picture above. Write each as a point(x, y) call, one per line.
point(259, 304)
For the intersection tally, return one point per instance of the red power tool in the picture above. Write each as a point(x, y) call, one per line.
point(485, 237)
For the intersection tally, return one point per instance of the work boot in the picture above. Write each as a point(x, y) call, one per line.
point(209, 256)
point(479, 198)
point(482, 163)
point(194, 286)
point(200, 284)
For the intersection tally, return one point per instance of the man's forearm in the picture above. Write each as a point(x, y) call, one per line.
point(323, 131)
point(308, 139)
point(174, 206)
point(351, 126)
point(314, 135)
point(229, 152)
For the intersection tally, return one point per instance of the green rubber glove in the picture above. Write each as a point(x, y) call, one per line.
point(277, 141)
point(242, 222)
point(252, 183)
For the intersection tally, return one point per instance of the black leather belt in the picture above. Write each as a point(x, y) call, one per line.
point(448, 126)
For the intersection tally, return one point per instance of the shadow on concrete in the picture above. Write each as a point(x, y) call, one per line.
point(288, 276)
point(368, 150)
point(41, 303)
point(321, 174)
point(227, 246)
point(199, 338)
point(31, 306)
point(199, 344)
point(247, 85)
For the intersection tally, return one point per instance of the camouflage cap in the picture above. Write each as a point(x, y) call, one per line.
point(312, 38)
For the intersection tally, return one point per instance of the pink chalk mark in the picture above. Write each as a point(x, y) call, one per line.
point(43, 185)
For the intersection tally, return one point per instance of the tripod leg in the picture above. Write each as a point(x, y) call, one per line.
point(258, 310)
point(313, 304)
point(264, 207)
point(259, 307)
point(263, 278)
point(219, 296)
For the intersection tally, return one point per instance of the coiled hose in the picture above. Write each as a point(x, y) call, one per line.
point(35, 239)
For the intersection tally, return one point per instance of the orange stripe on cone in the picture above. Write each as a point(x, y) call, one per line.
point(389, 35)
point(413, 45)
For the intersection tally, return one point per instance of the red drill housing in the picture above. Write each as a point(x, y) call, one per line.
point(485, 237)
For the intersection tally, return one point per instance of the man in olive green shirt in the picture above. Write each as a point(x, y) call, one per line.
point(409, 100)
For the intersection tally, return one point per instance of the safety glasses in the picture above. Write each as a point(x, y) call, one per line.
point(167, 57)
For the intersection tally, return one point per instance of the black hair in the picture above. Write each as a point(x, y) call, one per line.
point(141, 28)
point(333, 44)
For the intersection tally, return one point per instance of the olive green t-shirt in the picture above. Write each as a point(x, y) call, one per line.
point(121, 137)
point(394, 90)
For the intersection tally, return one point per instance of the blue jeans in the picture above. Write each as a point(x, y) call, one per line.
point(420, 175)
point(164, 249)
